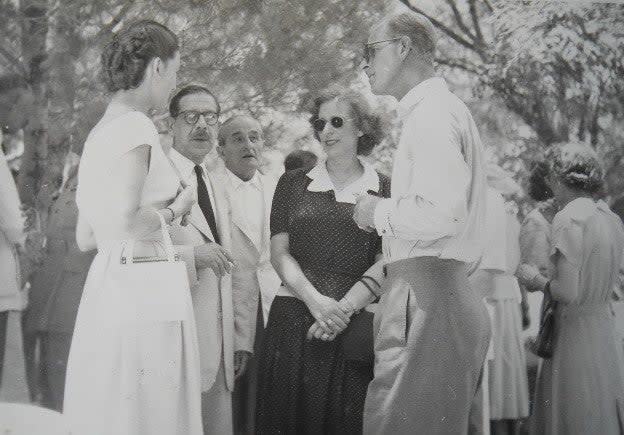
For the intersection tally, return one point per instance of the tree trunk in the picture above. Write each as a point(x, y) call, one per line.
point(34, 36)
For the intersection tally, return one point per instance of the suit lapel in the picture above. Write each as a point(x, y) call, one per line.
point(238, 221)
point(222, 211)
point(197, 218)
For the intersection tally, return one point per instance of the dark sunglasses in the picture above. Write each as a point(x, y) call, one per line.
point(191, 117)
point(336, 122)
point(369, 49)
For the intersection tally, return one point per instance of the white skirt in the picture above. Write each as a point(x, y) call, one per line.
point(130, 379)
point(508, 382)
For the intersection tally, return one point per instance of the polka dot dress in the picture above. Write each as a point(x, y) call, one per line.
point(307, 387)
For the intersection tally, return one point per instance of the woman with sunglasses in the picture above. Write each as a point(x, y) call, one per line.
point(306, 385)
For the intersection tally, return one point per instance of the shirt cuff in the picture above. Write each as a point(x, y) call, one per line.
point(382, 217)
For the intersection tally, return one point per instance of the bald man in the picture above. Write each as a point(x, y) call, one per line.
point(250, 192)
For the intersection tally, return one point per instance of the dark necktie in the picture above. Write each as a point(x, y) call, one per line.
point(203, 199)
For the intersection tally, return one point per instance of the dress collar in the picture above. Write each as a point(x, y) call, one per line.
point(321, 182)
point(417, 93)
point(580, 209)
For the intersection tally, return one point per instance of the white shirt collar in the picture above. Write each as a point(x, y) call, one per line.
point(237, 182)
point(418, 92)
point(579, 209)
point(321, 182)
point(185, 165)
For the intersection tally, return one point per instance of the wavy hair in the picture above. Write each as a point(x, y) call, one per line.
point(365, 117)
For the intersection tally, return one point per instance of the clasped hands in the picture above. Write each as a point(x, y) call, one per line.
point(332, 317)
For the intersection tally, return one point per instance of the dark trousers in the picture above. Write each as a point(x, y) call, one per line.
point(4, 322)
point(46, 371)
point(245, 388)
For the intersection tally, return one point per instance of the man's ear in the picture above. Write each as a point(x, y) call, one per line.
point(405, 45)
point(170, 121)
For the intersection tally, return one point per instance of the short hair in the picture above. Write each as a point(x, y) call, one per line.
point(300, 159)
point(174, 103)
point(538, 188)
point(221, 137)
point(130, 50)
point(417, 28)
point(366, 119)
point(577, 166)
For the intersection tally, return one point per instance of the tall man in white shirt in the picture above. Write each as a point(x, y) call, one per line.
point(251, 194)
point(223, 335)
point(433, 329)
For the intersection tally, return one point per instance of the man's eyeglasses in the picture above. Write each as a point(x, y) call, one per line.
point(336, 122)
point(191, 117)
point(369, 48)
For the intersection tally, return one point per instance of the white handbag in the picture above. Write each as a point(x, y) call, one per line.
point(140, 290)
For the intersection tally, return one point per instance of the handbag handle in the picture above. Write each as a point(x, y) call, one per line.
point(166, 237)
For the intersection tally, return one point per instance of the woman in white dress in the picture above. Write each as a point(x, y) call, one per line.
point(504, 377)
point(130, 378)
point(581, 388)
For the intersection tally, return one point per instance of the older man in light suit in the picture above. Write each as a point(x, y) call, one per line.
point(223, 338)
point(250, 194)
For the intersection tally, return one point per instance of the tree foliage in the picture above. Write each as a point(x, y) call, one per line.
point(557, 65)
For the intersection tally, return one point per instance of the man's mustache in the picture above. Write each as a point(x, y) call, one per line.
point(200, 135)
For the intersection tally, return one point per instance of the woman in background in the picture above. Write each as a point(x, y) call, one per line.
point(581, 388)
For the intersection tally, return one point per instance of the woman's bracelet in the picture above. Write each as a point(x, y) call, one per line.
point(368, 286)
point(371, 279)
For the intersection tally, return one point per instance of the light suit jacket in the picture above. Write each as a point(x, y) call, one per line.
point(212, 296)
point(11, 233)
point(254, 276)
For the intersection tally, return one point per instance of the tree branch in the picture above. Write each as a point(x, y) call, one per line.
point(459, 19)
point(440, 25)
point(475, 23)
point(465, 66)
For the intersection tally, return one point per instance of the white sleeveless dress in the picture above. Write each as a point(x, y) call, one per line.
point(127, 379)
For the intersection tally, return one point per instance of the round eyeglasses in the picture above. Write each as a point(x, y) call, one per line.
point(192, 116)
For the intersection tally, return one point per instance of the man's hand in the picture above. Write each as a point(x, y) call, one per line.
point(364, 212)
point(215, 257)
point(241, 358)
point(526, 317)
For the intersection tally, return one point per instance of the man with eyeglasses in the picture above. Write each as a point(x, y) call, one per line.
point(432, 328)
point(194, 112)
